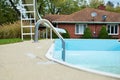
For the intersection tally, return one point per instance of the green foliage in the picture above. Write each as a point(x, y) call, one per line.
point(13, 4)
point(64, 35)
point(70, 6)
point(7, 14)
point(87, 33)
point(53, 6)
point(110, 7)
point(109, 3)
point(103, 33)
point(41, 7)
point(117, 9)
point(60, 6)
point(95, 3)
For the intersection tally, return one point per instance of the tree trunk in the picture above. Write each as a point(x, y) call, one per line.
point(14, 7)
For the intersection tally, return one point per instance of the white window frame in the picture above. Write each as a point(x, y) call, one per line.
point(113, 25)
point(81, 28)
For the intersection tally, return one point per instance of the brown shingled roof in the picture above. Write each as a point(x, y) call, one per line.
point(85, 16)
point(54, 17)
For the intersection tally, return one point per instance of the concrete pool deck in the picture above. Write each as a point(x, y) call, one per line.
point(26, 61)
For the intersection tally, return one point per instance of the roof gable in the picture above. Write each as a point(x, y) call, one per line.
point(85, 16)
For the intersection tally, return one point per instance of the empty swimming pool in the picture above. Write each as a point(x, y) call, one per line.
point(96, 54)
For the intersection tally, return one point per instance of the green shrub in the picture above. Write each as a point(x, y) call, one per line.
point(64, 35)
point(87, 33)
point(54, 35)
point(103, 33)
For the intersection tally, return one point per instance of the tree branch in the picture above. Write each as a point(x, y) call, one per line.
point(14, 7)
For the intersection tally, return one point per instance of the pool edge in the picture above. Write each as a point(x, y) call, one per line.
point(49, 55)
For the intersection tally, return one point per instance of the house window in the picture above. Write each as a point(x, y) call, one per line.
point(113, 29)
point(79, 28)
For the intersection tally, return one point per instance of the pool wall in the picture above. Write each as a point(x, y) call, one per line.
point(49, 55)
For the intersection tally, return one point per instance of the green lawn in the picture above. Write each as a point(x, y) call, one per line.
point(8, 41)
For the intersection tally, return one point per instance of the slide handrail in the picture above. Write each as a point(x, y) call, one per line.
point(47, 23)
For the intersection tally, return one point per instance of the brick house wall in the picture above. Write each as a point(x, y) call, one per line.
point(71, 29)
point(95, 29)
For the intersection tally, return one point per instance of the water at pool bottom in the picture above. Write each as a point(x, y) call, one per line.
point(107, 61)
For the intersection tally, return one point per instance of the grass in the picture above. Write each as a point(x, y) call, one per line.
point(8, 41)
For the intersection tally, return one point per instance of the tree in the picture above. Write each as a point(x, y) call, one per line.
point(109, 3)
point(87, 33)
point(71, 6)
point(117, 8)
point(49, 6)
point(60, 6)
point(95, 3)
point(54, 7)
point(41, 7)
point(7, 13)
point(110, 6)
point(13, 3)
point(103, 33)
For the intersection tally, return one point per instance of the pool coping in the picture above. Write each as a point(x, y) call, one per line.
point(49, 55)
